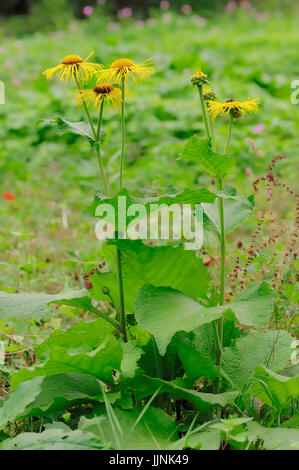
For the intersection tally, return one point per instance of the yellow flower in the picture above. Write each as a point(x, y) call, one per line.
point(199, 73)
point(124, 69)
point(235, 107)
point(98, 94)
point(199, 78)
point(75, 67)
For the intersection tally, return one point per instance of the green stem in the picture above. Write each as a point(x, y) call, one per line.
point(87, 112)
point(203, 107)
point(122, 319)
point(123, 325)
point(98, 149)
point(222, 246)
point(212, 133)
point(123, 133)
point(229, 134)
point(96, 135)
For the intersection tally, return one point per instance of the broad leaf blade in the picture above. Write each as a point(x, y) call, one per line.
point(199, 151)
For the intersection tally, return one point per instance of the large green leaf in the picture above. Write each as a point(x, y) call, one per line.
point(82, 337)
point(252, 308)
point(16, 404)
point(203, 401)
point(270, 349)
point(33, 305)
point(196, 365)
point(85, 348)
point(44, 395)
point(274, 438)
point(272, 388)
point(141, 264)
point(187, 196)
point(198, 439)
point(154, 429)
point(53, 439)
point(164, 311)
point(199, 151)
point(237, 209)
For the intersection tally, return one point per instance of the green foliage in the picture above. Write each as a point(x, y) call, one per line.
point(270, 349)
point(32, 305)
point(164, 311)
point(274, 389)
point(274, 439)
point(165, 266)
point(199, 151)
point(164, 387)
point(237, 209)
point(53, 439)
point(151, 430)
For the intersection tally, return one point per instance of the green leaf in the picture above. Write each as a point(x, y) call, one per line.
point(82, 337)
point(16, 404)
point(199, 151)
point(155, 429)
point(252, 308)
point(131, 355)
point(195, 364)
point(45, 395)
point(199, 439)
point(274, 438)
point(270, 349)
point(96, 353)
point(165, 266)
point(33, 305)
point(79, 128)
point(53, 439)
point(164, 311)
point(187, 196)
point(237, 209)
point(267, 384)
point(80, 302)
point(180, 389)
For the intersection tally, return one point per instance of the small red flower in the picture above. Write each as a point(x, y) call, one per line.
point(8, 196)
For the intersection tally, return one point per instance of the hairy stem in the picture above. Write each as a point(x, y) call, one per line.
point(96, 135)
point(98, 149)
point(123, 133)
point(222, 247)
point(118, 252)
point(203, 107)
point(122, 318)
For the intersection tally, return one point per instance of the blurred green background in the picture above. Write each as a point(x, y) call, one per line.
point(248, 49)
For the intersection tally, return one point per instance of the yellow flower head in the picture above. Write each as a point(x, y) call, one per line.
point(75, 67)
point(199, 78)
point(124, 69)
point(208, 93)
point(98, 94)
point(236, 108)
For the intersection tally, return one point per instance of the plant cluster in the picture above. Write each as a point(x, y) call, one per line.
point(173, 361)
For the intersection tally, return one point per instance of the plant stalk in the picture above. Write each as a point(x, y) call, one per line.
point(96, 135)
point(123, 325)
point(123, 133)
point(203, 107)
point(122, 319)
point(222, 248)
